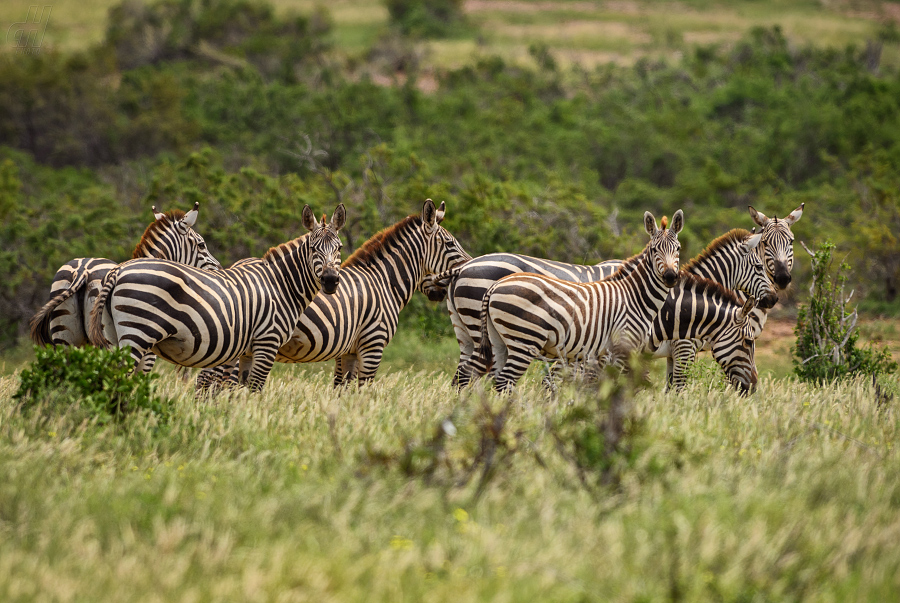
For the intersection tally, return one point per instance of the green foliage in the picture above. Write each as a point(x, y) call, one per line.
point(99, 381)
point(826, 330)
point(602, 436)
point(426, 18)
point(218, 31)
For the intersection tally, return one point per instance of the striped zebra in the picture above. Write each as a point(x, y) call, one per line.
point(353, 326)
point(777, 252)
point(64, 319)
point(196, 318)
point(730, 260)
point(700, 309)
point(527, 315)
point(464, 287)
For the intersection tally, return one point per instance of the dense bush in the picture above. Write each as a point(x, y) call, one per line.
point(426, 18)
point(99, 381)
point(827, 334)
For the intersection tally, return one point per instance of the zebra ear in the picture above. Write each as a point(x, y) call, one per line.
point(338, 218)
point(678, 221)
point(650, 223)
point(441, 210)
point(746, 309)
point(752, 242)
point(156, 214)
point(309, 218)
point(191, 217)
point(758, 217)
point(794, 216)
point(429, 214)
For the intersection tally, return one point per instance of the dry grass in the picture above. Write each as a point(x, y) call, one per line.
point(791, 494)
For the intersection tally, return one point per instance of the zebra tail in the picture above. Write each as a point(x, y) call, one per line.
point(40, 322)
point(95, 334)
point(486, 349)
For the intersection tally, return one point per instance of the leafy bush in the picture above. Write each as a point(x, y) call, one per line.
point(220, 31)
point(99, 381)
point(826, 329)
point(426, 18)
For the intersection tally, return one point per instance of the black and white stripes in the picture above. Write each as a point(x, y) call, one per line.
point(64, 319)
point(526, 315)
point(201, 319)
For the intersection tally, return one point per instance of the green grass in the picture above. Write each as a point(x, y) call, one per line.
point(791, 494)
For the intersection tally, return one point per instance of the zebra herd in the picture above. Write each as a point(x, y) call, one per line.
point(173, 299)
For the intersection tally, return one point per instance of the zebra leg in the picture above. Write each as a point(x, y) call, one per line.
point(264, 353)
point(208, 381)
point(515, 361)
point(344, 369)
point(684, 354)
point(670, 370)
point(368, 363)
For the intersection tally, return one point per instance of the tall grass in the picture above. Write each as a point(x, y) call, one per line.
point(790, 494)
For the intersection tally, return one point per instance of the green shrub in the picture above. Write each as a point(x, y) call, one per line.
point(99, 381)
point(426, 18)
point(826, 329)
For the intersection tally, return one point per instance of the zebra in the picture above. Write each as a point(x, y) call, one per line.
point(524, 315)
point(730, 260)
point(777, 252)
point(703, 309)
point(201, 319)
point(464, 286)
point(64, 319)
point(353, 326)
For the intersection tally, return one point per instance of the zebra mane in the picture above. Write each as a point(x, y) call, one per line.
point(700, 285)
point(368, 250)
point(627, 266)
point(169, 218)
point(735, 235)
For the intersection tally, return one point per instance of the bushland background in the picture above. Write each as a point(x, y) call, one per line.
point(547, 127)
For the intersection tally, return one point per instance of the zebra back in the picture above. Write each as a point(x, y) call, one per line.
point(64, 320)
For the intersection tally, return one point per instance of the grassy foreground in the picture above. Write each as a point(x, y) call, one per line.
point(791, 494)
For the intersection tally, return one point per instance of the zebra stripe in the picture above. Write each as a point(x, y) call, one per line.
point(526, 315)
point(354, 325)
point(777, 250)
point(197, 318)
point(703, 310)
point(64, 319)
point(730, 260)
point(465, 286)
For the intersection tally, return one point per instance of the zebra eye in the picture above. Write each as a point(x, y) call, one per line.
point(202, 245)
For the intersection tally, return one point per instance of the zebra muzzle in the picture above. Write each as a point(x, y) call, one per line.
point(330, 279)
point(670, 277)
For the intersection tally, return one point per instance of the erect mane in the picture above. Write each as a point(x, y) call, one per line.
point(692, 282)
point(169, 218)
point(627, 266)
point(368, 250)
point(735, 235)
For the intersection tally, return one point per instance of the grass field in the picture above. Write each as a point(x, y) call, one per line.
point(790, 494)
point(577, 31)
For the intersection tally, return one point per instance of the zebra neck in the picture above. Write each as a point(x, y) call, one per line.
point(294, 276)
point(646, 287)
point(717, 266)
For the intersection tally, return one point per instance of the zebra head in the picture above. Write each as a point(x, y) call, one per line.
point(172, 237)
point(664, 246)
point(735, 347)
point(753, 279)
point(777, 244)
point(325, 246)
point(442, 250)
